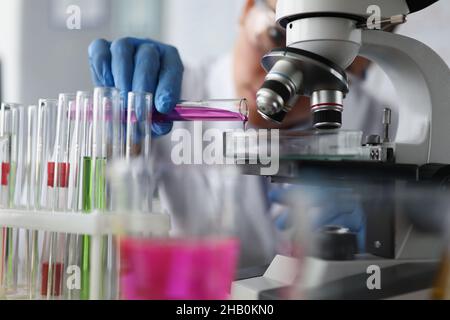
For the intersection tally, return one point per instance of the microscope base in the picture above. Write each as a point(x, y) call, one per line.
point(331, 279)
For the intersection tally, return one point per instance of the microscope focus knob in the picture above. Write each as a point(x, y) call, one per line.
point(373, 140)
point(334, 243)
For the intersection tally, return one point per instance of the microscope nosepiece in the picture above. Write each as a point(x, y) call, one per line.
point(327, 107)
point(293, 73)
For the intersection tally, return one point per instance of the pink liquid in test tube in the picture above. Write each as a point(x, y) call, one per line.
point(200, 114)
point(177, 269)
point(206, 111)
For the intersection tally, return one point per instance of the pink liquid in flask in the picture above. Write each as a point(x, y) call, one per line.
point(177, 269)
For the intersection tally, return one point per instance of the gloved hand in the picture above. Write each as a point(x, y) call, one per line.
point(131, 64)
point(328, 206)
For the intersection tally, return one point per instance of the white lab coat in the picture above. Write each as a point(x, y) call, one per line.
point(214, 81)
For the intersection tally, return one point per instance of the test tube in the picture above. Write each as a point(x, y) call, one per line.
point(4, 146)
point(4, 191)
point(10, 129)
point(65, 126)
point(12, 119)
point(45, 145)
point(58, 179)
point(32, 189)
point(80, 117)
point(106, 138)
point(211, 110)
point(139, 125)
point(86, 196)
point(5, 114)
point(103, 139)
point(43, 111)
point(6, 135)
point(19, 149)
point(6, 130)
point(48, 112)
point(32, 157)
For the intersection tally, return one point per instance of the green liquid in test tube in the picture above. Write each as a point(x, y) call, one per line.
point(100, 136)
point(100, 183)
point(85, 268)
point(87, 188)
point(87, 184)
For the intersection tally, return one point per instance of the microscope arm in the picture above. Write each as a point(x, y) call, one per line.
point(422, 80)
point(291, 10)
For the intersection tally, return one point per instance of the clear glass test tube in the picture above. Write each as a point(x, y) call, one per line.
point(42, 179)
point(85, 193)
point(17, 124)
point(5, 155)
point(4, 151)
point(32, 205)
point(66, 105)
point(13, 127)
point(53, 255)
point(103, 142)
point(32, 154)
point(211, 110)
point(106, 139)
point(76, 120)
point(40, 117)
point(113, 149)
point(139, 125)
point(6, 131)
point(47, 125)
point(19, 150)
point(45, 163)
point(80, 117)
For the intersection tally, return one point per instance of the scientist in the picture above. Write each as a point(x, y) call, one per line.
point(149, 66)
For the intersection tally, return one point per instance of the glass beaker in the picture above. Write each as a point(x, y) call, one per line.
point(198, 260)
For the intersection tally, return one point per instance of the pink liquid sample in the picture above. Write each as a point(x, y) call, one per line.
point(177, 269)
point(199, 114)
point(178, 114)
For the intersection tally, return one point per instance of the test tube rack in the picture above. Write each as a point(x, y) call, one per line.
point(94, 224)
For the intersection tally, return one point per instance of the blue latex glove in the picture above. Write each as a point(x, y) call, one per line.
point(337, 206)
point(131, 64)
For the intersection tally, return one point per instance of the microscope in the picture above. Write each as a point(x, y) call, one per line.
point(323, 39)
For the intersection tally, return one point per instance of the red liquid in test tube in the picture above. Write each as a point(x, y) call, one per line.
point(6, 167)
point(63, 175)
point(62, 182)
point(57, 269)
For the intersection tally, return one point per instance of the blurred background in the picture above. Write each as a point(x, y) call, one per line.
point(40, 57)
